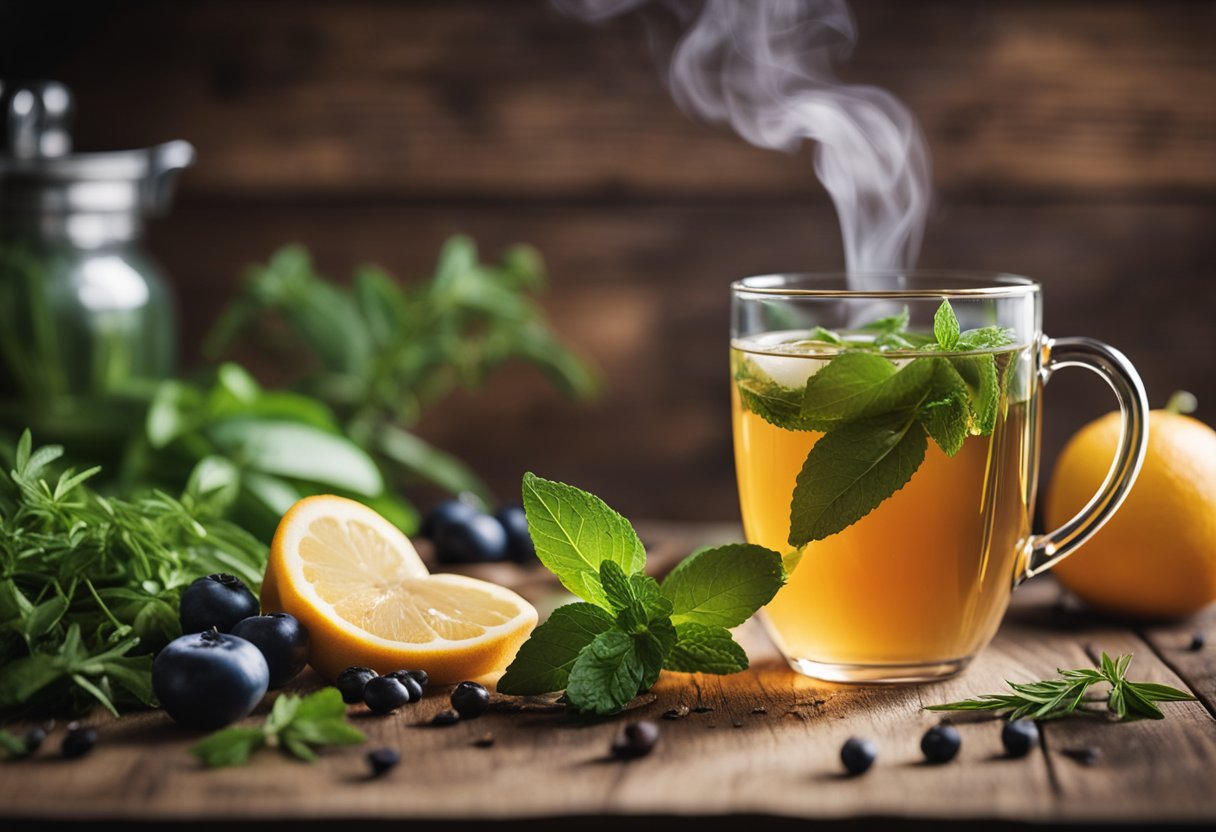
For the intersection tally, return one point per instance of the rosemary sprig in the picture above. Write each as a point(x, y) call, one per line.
point(1069, 694)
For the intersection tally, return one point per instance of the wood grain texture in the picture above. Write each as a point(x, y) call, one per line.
point(510, 98)
point(761, 743)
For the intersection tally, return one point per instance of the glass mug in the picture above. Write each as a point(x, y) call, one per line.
point(912, 590)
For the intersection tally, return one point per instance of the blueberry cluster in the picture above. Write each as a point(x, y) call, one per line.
point(941, 744)
point(228, 658)
point(463, 533)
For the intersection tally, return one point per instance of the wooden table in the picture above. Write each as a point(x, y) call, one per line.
point(762, 744)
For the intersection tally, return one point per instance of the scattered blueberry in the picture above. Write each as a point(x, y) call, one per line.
point(520, 547)
point(381, 760)
point(78, 742)
point(635, 739)
point(420, 676)
point(1019, 737)
point(351, 682)
point(470, 700)
point(385, 694)
point(219, 601)
point(33, 740)
point(450, 511)
point(412, 682)
point(858, 755)
point(476, 539)
point(1198, 641)
point(446, 718)
point(283, 641)
point(208, 680)
point(940, 743)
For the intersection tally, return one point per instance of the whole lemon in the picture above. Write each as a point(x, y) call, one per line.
point(1157, 555)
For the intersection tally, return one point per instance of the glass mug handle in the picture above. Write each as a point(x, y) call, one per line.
point(1046, 550)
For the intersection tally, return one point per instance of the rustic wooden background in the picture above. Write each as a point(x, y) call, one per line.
point(1072, 141)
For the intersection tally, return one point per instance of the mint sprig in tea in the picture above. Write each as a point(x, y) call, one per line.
point(890, 464)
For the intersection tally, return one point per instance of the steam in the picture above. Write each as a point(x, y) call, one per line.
point(766, 69)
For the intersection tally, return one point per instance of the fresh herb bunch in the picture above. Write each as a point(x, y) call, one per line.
point(295, 726)
point(1069, 695)
point(877, 417)
point(629, 627)
point(377, 355)
point(89, 584)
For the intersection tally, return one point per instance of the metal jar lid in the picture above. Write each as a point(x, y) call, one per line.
point(40, 175)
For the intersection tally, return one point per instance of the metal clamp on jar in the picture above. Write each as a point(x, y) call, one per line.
point(87, 322)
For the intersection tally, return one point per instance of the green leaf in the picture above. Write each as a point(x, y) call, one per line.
point(134, 675)
point(724, 586)
point(985, 338)
point(944, 414)
point(859, 385)
point(282, 713)
point(379, 301)
point(575, 532)
point(332, 731)
point(615, 584)
point(891, 325)
point(850, 471)
point(1160, 693)
point(287, 449)
point(13, 746)
point(777, 405)
point(427, 462)
point(652, 649)
point(979, 373)
point(229, 747)
point(45, 616)
point(702, 649)
point(606, 675)
point(945, 327)
point(543, 662)
point(27, 676)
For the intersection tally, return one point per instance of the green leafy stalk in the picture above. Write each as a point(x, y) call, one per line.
point(89, 585)
point(605, 650)
point(1070, 695)
point(877, 416)
point(296, 726)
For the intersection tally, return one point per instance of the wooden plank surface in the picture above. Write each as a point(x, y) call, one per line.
point(761, 743)
point(511, 98)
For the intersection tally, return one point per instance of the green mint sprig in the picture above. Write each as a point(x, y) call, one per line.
point(295, 726)
point(877, 417)
point(1068, 695)
point(605, 650)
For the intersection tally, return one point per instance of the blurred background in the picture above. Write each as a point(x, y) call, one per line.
point(1072, 141)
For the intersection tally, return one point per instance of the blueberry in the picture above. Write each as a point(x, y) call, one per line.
point(384, 694)
point(381, 760)
point(409, 682)
point(858, 755)
point(1019, 737)
point(219, 601)
point(635, 739)
point(1198, 641)
point(477, 539)
point(470, 700)
point(283, 641)
point(446, 718)
point(33, 739)
point(351, 682)
point(208, 680)
point(519, 542)
point(78, 742)
point(420, 676)
point(940, 743)
point(451, 511)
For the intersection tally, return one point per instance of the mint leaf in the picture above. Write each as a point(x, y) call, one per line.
point(702, 649)
point(983, 387)
point(606, 675)
point(229, 747)
point(859, 385)
point(892, 325)
point(945, 327)
point(543, 662)
point(777, 405)
point(724, 586)
point(851, 470)
point(985, 338)
point(945, 413)
point(616, 585)
point(575, 532)
point(653, 648)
